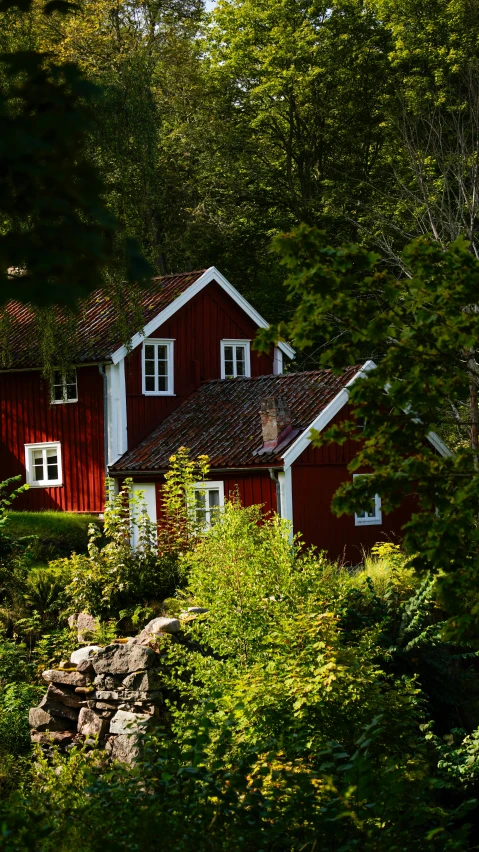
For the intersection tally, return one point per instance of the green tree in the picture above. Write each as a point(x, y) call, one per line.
point(431, 126)
point(56, 235)
point(425, 330)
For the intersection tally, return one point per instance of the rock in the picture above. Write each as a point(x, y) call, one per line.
point(87, 691)
point(125, 748)
point(85, 624)
point(86, 667)
point(125, 722)
point(122, 659)
point(107, 695)
point(85, 653)
point(156, 627)
point(58, 709)
point(142, 681)
point(60, 738)
point(67, 678)
point(197, 609)
point(105, 705)
point(90, 724)
point(42, 720)
point(56, 692)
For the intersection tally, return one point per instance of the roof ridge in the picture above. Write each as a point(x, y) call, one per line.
point(179, 274)
point(282, 375)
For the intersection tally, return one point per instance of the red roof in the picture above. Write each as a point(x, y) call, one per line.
point(222, 420)
point(101, 324)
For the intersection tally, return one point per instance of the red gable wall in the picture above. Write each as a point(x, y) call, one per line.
point(317, 474)
point(27, 417)
point(197, 329)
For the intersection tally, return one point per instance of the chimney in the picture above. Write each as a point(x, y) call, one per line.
point(275, 421)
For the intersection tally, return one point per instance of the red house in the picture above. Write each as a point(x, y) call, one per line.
point(188, 378)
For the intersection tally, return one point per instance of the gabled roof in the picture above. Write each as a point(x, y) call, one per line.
point(99, 328)
point(222, 420)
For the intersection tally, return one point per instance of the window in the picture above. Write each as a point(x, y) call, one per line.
point(158, 367)
point(209, 498)
point(64, 386)
point(43, 463)
point(235, 360)
point(368, 517)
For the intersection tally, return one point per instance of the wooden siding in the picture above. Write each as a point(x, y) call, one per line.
point(197, 329)
point(316, 475)
point(252, 488)
point(27, 417)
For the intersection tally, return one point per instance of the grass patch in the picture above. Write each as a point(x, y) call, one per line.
point(56, 534)
point(385, 564)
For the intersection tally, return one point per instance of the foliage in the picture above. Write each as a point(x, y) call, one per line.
point(178, 527)
point(321, 734)
point(111, 577)
point(56, 231)
point(425, 328)
point(115, 577)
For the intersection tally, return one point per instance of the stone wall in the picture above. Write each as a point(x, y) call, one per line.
point(107, 696)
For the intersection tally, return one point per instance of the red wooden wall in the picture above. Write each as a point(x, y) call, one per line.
point(197, 329)
point(252, 488)
point(27, 417)
point(316, 475)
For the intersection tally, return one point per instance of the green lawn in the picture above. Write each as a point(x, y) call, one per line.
point(56, 534)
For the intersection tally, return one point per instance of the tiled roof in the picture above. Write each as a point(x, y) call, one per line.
point(222, 420)
point(100, 324)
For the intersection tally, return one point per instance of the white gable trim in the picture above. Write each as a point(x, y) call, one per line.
point(211, 274)
point(336, 404)
point(322, 420)
point(439, 445)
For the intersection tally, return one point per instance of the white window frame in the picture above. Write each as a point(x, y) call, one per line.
point(378, 516)
point(247, 358)
point(64, 401)
point(156, 341)
point(29, 466)
point(209, 485)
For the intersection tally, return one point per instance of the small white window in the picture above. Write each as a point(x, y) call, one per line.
point(235, 359)
point(43, 464)
point(158, 367)
point(209, 498)
point(64, 386)
point(368, 517)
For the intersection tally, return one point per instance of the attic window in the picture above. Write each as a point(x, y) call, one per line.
point(371, 516)
point(158, 367)
point(209, 498)
point(64, 386)
point(235, 359)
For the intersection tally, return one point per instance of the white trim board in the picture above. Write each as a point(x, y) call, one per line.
point(211, 274)
point(336, 404)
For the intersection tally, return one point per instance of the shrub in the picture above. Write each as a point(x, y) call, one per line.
point(115, 578)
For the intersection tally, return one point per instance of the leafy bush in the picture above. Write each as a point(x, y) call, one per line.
point(113, 579)
point(300, 717)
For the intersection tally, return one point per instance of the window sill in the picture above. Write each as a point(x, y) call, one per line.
point(372, 522)
point(45, 484)
point(157, 393)
point(63, 401)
